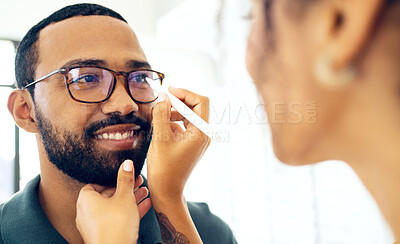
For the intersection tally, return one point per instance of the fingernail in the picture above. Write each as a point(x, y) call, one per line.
point(128, 165)
point(161, 97)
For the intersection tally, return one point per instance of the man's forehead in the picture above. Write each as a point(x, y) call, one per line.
point(86, 37)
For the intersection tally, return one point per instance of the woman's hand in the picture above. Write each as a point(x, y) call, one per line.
point(174, 152)
point(112, 215)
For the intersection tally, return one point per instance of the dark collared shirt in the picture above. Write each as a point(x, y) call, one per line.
point(22, 220)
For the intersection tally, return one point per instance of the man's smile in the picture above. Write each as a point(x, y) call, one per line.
point(118, 137)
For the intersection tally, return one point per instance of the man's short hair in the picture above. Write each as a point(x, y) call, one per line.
point(26, 59)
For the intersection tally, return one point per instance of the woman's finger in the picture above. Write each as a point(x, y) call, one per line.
point(176, 116)
point(141, 194)
point(185, 123)
point(125, 180)
point(138, 182)
point(199, 104)
point(176, 128)
point(144, 207)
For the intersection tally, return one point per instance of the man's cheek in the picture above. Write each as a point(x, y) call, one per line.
point(83, 114)
point(86, 111)
point(146, 111)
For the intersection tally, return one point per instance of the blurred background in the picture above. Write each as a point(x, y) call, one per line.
point(200, 45)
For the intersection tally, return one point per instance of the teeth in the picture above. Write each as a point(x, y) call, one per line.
point(116, 136)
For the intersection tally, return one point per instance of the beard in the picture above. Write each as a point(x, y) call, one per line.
point(79, 158)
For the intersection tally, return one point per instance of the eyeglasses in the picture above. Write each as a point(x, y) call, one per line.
point(93, 84)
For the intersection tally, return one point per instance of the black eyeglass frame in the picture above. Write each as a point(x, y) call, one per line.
point(64, 71)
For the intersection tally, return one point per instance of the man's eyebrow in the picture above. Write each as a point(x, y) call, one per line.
point(86, 62)
point(130, 64)
point(136, 64)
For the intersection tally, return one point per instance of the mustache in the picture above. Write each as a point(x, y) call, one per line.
point(116, 119)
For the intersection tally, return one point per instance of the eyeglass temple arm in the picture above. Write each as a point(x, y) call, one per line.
point(45, 77)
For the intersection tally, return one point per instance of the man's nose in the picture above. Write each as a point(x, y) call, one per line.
point(119, 101)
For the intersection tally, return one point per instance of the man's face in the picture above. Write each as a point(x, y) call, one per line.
point(70, 130)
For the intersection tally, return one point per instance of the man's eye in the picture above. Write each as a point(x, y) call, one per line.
point(140, 78)
point(86, 79)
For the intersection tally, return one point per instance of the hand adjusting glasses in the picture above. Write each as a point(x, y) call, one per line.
point(93, 84)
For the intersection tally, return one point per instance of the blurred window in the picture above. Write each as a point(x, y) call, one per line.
point(7, 144)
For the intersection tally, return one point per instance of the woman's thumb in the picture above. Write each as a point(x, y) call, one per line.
point(126, 179)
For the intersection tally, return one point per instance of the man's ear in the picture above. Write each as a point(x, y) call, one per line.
point(20, 105)
point(351, 24)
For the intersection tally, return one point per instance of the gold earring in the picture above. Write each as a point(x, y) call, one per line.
point(330, 78)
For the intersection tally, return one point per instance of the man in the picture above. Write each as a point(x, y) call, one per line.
point(84, 130)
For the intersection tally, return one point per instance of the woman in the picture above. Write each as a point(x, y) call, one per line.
point(344, 57)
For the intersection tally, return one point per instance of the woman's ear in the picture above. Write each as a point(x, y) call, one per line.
point(20, 105)
point(351, 24)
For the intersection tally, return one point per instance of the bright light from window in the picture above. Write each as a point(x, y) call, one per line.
point(6, 123)
point(6, 63)
point(6, 78)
